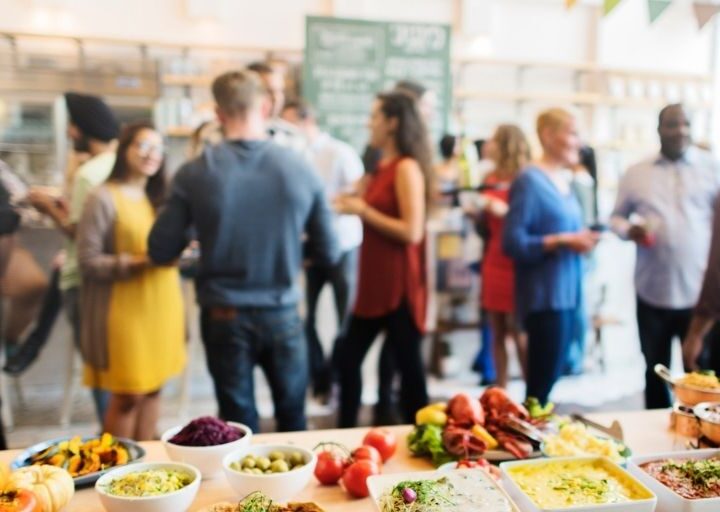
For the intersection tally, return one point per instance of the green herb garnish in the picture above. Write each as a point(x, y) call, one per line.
point(583, 485)
point(702, 473)
point(255, 502)
point(432, 496)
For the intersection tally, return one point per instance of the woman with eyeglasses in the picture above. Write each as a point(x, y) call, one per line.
point(132, 333)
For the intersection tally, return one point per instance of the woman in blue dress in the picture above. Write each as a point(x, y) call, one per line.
point(544, 235)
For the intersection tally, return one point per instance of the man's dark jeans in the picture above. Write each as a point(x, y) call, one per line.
point(658, 327)
point(235, 341)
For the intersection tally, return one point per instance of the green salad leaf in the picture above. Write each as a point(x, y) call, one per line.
point(427, 440)
point(536, 410)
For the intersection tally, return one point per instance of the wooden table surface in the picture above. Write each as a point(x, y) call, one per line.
point(645, 432)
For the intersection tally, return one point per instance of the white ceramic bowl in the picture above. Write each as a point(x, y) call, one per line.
point(279, 487)
point(178, 501)
point(208, 459)
point(497, 498)
point(668, 500)
point(646, 504)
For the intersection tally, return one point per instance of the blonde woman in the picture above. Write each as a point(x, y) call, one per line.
point(544, 236)
point(510, 152)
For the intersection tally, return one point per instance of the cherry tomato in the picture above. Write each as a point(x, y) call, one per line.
point(19, 501)
point(383, 440)
point(329, 468)
point(366, 452)
point(355, 477)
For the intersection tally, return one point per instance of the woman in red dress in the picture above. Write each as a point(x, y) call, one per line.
point(392, 288)
point(510, 152)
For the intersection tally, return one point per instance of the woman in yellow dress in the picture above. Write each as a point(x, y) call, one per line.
point(132, 324)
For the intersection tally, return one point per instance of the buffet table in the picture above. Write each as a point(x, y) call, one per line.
point(645, 432)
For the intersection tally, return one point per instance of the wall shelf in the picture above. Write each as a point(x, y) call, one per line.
point(580, 98)
point(587, 67)
point(186, 80)
point(179, 131)
point(654, 103)
point(525, 96)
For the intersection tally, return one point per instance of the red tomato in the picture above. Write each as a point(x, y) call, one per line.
point(366, 452)
point(329, 468)
point(19, 501)
point(383, 441)
point(355, 477)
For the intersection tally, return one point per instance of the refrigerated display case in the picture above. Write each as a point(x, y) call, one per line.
point(32, 139)
point(35, 71)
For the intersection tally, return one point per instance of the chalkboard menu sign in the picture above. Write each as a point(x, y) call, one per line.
point(348, 61)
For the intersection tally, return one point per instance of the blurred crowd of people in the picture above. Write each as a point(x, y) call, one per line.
point(267, 194)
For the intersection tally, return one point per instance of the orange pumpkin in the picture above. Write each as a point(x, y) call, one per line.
point(4, 477)
point(19, 501)
point(53, 487)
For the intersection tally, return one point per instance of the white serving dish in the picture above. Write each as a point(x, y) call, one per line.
point(448, 466)
point(280, 487)
point(668, 500)
point(378, 485)
point(178, 501)
point(527, 505)
point(207, 459)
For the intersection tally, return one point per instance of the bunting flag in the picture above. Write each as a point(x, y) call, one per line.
point(704, 12)
point(609, 5)
point(570, 3)
point(656, 8)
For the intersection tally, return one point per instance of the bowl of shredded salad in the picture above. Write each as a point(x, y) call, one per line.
point(149, 487)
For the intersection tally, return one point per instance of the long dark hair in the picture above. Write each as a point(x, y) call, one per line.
point(156, 188)
point(411, 136)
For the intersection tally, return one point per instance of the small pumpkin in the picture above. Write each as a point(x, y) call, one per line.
point(4, 477)
point(53, 487)
point(21, 500)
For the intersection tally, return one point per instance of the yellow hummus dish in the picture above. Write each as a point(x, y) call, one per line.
point(567, 483)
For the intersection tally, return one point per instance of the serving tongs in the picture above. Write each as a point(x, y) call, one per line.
point(526, 429)
point(615, 430)
point(663, 372)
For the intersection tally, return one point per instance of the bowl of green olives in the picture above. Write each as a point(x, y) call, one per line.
point(278, 471)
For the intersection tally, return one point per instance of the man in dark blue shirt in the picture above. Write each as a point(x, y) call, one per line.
point(250, 202)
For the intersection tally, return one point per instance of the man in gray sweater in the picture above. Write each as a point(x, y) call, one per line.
point(250, 202)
